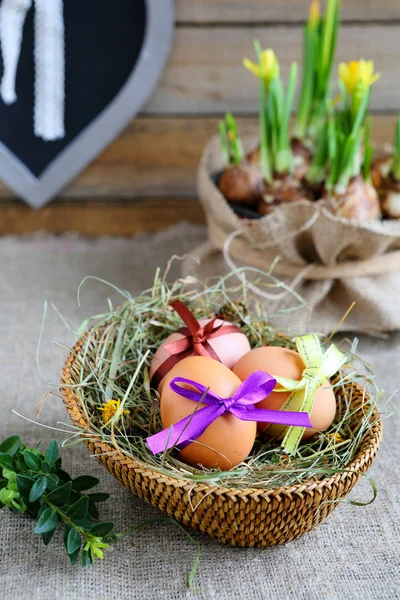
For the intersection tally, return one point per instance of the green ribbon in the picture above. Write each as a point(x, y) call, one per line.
point(320, 366)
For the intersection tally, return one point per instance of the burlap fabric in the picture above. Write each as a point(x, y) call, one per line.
point(330, 261)
point(352, 555)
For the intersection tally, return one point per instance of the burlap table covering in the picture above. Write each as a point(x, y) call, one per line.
point(352, 555)
point(330, 261)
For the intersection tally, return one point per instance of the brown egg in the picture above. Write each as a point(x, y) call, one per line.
point(227, 441)
point(229, 348)
point(282, 362)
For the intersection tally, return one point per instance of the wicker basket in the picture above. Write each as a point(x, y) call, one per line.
point(239, 517)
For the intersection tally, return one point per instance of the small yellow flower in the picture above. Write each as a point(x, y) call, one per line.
point(336, 438)
point(110, 408)
point(269, 66)
point(355, 72)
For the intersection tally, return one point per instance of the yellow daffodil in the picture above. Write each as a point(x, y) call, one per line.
point(357, 72)
point(110, 408)
point(269, 66)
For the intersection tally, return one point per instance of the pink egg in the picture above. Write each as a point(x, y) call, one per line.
point(229, 348)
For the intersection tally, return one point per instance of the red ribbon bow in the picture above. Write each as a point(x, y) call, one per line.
point(195, 340)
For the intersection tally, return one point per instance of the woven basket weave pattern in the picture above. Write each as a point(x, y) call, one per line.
point(239, 517)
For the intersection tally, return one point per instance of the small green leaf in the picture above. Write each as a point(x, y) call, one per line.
point(79, 509)
point(11, 445)
point(10, 475)
point(74, 556)
point(51, 455)
point(19, 462)
point(85, 482)
point(102, 529)
point(36, 451)
point(6, 461)
point(24, 484)
point(38, 489)
point(41, 510)
point(32, 460)
point(98, 497)
point(66, 531)
point(73, 541)
point(46, 537)
point(64, 475)
point(86, 559)
point(60, 495)
point(45, 468)
point(48, 521)
point(84, 524)
point(93, 512)
point(52, 482)
point(6, 496)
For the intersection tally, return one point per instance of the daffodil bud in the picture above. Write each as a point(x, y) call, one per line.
point(357, 73)
point(314, 14)
point(269, 67)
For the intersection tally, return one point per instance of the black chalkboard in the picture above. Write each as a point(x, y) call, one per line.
point(103, 40)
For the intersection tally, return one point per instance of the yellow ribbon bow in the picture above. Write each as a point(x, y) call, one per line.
point(320, 366)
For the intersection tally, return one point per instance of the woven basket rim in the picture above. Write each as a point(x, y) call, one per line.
point(369, 448)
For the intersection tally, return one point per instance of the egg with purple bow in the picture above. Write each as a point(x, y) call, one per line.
point(227, 441)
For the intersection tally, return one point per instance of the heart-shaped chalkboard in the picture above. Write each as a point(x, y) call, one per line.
point(114, 53)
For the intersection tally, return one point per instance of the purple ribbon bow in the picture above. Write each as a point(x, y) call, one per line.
point(254, 389)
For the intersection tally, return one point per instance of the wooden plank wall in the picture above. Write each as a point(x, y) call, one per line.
point(146, 179)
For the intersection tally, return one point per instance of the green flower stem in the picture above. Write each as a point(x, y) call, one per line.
point(265, 161)
point(319, 50)
point(345, 136)
point(231, 144)
point(307, 89)
point(328, 46)
point(316, 171)
point(368, 151)
point(234, 141)
point(285, 157)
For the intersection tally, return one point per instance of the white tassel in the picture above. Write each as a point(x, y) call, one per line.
point(49, 70)
point(49, 50)
point(12, 19)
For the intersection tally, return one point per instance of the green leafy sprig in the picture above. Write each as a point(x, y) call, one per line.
point(319, 45)
point(35, 483)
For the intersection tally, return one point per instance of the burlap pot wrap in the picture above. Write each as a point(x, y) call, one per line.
point(330, 261)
